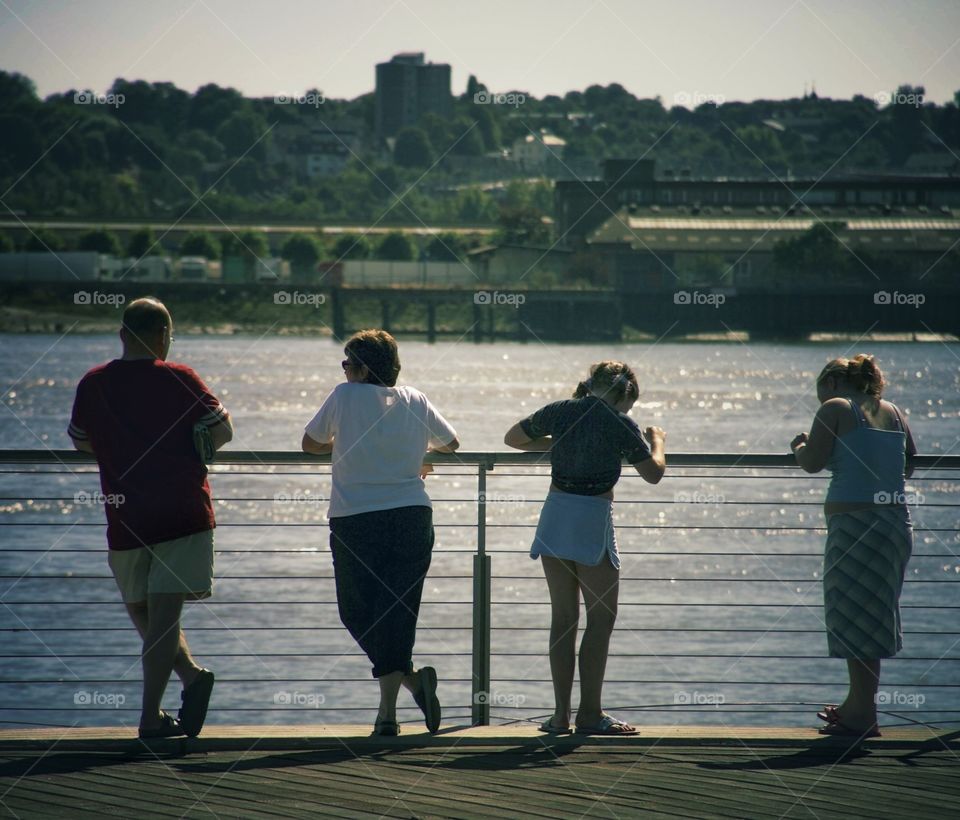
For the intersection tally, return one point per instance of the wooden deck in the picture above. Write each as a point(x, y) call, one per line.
point(491, 772)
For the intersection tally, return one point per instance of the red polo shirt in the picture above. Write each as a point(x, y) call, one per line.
point(138, 416)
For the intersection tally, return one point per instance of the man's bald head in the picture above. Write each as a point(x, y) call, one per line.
point(146, 327)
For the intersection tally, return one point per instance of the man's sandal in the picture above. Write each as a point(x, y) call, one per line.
point(196, 699)
point(386, 728)
point(169, 727)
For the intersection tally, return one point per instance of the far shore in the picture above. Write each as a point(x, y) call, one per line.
point(14, 321)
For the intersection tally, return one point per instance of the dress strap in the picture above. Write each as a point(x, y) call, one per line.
point(896, 412)
point(861, 419)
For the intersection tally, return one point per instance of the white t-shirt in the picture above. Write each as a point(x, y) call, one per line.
point(380, 435)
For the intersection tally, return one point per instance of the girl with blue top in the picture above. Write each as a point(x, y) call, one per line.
point(865, 443)
point(588, 438)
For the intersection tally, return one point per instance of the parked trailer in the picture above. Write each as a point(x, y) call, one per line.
point(47, 266)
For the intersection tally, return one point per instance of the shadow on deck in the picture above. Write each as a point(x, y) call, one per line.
point(492, 771)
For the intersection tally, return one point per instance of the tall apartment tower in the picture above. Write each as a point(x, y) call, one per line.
point(407, 88)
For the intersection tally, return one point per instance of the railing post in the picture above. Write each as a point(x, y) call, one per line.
point(481, 608)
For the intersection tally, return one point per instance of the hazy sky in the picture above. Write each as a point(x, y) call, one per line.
point(697, 49)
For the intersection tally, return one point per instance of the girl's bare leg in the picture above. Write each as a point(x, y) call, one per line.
point(601, 587)
point(564, 615)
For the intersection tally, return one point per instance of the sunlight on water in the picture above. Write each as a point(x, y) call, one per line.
point(708, 398)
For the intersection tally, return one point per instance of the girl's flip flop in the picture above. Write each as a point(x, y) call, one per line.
point(607, 725)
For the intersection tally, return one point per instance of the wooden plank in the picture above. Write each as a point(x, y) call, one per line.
point(353, 778)
point(150, 781)
point(535, 777)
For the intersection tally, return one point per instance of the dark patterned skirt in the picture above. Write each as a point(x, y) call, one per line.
point(863, 569)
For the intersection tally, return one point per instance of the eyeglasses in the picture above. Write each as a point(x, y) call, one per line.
point(347, 363)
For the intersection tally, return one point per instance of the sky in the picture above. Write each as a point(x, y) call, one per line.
point(685, 51)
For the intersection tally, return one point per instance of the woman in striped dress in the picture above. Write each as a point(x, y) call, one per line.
point(865, 443)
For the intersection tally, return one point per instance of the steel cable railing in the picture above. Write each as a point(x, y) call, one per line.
point(728, 659)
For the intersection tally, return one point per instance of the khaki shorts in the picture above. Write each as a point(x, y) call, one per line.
point(183, 565)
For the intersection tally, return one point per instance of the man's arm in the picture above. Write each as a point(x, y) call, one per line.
point(314, 447)
point(83, 445)
point(222, 431)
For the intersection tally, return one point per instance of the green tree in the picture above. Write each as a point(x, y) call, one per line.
point(351, 246)
point(762, 145)
point(244, 134)
point(475, 206)
point(439, 131)
point(6, 244)
point(413, 149)
point(248, 244)
point(488, 126)
point(303, 252)
point(19, 141)
point(473, 86)
point(213, 105)
point(143, 242)
point(43, 240)
point(16, 90)
point(467, 138)
point(99, 240)
point(445, 247)
point(200, 243)
point(816, 255)
point(396, 246)
point(522, 224)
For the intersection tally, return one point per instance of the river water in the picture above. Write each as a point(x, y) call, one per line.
point(720, 618)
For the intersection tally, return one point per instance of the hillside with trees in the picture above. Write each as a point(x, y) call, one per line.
point(166, 153)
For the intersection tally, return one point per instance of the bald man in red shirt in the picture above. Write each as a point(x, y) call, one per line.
point(139, 416)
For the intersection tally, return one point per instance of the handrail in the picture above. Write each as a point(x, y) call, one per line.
point(488, 601)
point(471, 458)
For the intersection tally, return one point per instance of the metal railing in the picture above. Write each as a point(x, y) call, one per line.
point(716, 598)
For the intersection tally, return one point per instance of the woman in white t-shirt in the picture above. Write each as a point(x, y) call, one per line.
point(381, 520)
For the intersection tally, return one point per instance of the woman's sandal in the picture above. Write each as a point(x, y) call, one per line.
point(838, 729)
point(426, 698)
point(548, 727)
point(386, 728)
point(169, 727)
point(830, 714)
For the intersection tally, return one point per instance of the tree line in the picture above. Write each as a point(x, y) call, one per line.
point(165, 152)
